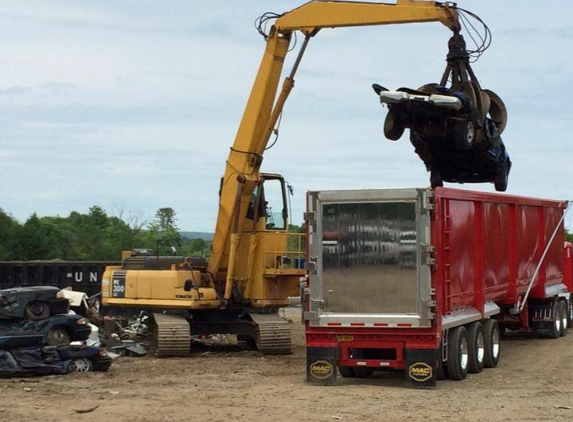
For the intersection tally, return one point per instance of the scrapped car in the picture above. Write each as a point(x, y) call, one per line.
point(32, 303)
point(53, 360)
point(455, 129)
point(58, 330)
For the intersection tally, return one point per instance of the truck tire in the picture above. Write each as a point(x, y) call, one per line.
point(442, 371)
point(492, 336)
point(363, 372)
point(346, 371)
point(476, 342)
point(555, 329)
point(458, 354)
point(563, 315)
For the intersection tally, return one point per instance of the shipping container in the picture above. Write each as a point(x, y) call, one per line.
point(84, 276)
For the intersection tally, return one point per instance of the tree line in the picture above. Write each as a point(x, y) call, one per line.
point(94, 236)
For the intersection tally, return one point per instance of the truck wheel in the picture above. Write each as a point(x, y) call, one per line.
point(36, 311)
point(492, 335)
point(458, 353)
point(563, 314)
point(346, 371)
point(555, 330)
point(393, 127)
point(442, 372)
point(476, 341)
point(363, 372)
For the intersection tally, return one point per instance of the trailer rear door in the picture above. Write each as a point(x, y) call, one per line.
point(370, 249)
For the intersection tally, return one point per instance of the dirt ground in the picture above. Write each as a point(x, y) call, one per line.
point(534, 382)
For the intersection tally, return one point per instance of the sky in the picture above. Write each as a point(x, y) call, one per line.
point(133, 105)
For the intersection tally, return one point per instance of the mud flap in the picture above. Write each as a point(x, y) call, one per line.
point(421, 367)
point(321, 365)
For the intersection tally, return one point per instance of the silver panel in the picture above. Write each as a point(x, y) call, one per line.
point(369, 257)
point(555, 289)
point(369, 249)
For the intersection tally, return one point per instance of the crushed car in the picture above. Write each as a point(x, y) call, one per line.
point(58, 330)
point(53, 360)
point(32, 303)
point(456, 129)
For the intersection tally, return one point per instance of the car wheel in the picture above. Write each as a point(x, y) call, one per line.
point(464, 135)
point(80, 365)
point(458, 354)
point(502, 177)
point(346, 371)
point(393, 127)
point(36, 310)
point(58, 336)
point(476, 341)
point(436, 179)
point(492, 336)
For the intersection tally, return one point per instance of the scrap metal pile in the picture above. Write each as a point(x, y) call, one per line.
point(36, 329)
point(456, 125)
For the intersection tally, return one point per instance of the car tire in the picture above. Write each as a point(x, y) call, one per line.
point(436, 179)
point(346, 371)
point(36, 311)
point(476, 342)
point(80, 365)
point(492, 336)
point(393, 127)
point(58, 336)
point(464, 135)
point(458, 354)
point(502, 177)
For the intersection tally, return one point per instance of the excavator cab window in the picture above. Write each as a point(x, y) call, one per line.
point(274, 200)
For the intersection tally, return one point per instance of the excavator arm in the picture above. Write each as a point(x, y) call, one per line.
point(264, 107)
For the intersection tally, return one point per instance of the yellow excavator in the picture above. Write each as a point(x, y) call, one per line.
point(255, 264)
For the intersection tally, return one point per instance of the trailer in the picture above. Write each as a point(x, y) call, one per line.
point(427, 280)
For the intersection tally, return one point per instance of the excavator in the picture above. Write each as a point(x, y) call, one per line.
point(255, 264)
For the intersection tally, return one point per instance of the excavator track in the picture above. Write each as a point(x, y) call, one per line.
point(171, 336)
point(274, 334)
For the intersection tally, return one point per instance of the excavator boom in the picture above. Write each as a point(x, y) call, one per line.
point(263, 109)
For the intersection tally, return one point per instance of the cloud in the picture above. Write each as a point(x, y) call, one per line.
point(137, 103)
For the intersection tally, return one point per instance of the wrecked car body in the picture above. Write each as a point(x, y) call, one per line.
point(456, 129)
point(32, 303)
point(58, 330)
point(53, 360)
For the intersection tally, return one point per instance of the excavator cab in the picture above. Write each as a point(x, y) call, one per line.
point(271, 199)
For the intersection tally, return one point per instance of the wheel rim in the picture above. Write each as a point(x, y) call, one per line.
point(464, 355)
point(558, 322)
point(480, 346)
point(58, 336)
point(495, 344)
point(470, 133)
point(564, 321)
point(36, 308)
point(80, 365)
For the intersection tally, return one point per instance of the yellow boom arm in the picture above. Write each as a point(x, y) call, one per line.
point(262, 111)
